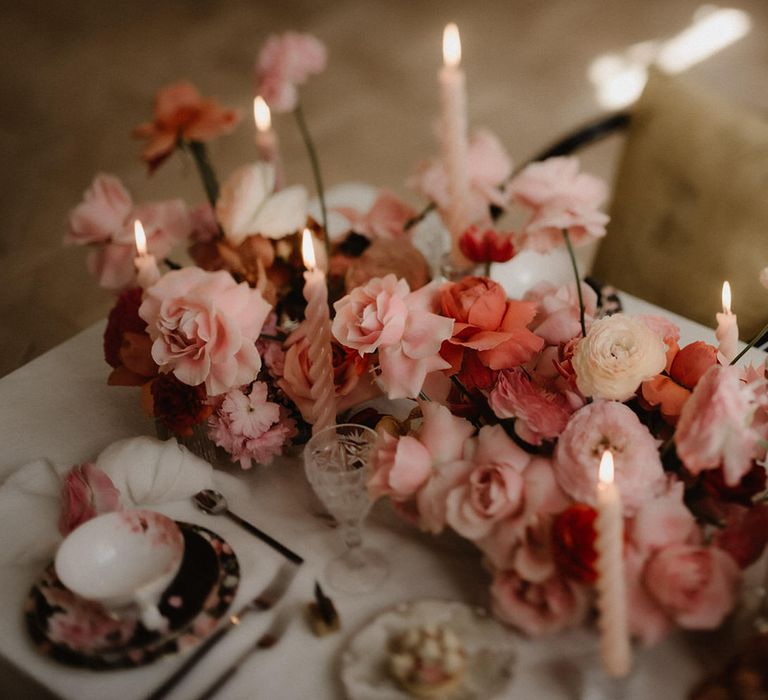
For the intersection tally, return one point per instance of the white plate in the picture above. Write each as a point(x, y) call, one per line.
point(490, 648)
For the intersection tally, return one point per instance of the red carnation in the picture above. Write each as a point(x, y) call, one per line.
point(178, 406)
point(486, 246)
point(123, 318)
point(573, 542)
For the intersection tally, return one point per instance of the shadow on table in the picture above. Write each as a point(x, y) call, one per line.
point(16, 684)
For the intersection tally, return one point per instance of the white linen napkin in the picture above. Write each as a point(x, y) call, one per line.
point(146, 471)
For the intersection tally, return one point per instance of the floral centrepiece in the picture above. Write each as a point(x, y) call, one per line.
point(514, 400)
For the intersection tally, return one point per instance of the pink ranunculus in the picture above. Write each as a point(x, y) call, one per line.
point(104, 220)
point(204, 328)
point(494, 488)
point(385, 219)
point(385, 316)
point(715, 425)
point(85, 493)
point(557, 316)
point(250, 427)
point(608, 425)
point(488, 166)
point(285, 62)
point(541, 414)
point(663, 520)
point(616, 356)
point(537, 608)
point(695, 585)
point(559, 198)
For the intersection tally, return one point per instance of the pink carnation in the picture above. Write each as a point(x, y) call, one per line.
point(384, 316)
point(592, 429)
point(537, 608)
point(540, 414)
point(85, 493)
point(285, 62)
point(557, 316)
point(488, 166)
point(104, 220)
point(250, 427)
point(715, 426)
point(204, 326)
point(559, 198)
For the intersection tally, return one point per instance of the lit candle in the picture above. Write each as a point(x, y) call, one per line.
point(147, 272)
point(266, 138)
point(453, 98)
point(727, 332)
point(318, 332)
point(615, 651)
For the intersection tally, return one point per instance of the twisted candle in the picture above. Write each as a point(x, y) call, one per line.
point(615, 650)
point(318, 332)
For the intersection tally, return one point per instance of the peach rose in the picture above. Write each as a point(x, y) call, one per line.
point(204, 328)
point(617, 355)
point(696, 586)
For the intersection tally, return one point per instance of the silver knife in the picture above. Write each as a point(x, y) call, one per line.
point(264, 601)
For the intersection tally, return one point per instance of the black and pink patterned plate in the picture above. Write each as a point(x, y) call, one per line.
point(81, 633)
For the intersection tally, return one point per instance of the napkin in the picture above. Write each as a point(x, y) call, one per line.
point(146, 471)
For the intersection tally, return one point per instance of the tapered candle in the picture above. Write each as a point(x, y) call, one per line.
point(727, 332)
point(147, 272)
point(453, 134)
point(318, 332)
point(615, 650)
point(266, 138)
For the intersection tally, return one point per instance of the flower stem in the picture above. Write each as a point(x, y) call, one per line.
point(313, 159)
point(171, 265)
point(207, 175)
point(420, 216)
point(751, 344)
point(578, 281)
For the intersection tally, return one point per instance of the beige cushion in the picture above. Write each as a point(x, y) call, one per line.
point(690, 207)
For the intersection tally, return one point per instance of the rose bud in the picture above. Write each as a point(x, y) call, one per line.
point(691, 362)
point(486, 246)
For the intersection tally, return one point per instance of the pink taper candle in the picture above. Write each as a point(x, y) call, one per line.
point(453, 97)
point(615, 650)
point(727, 332)
point(266, 138)
point(318, 328)
point(147, 272)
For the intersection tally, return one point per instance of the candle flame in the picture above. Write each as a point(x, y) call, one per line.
point(141, 238)
point(308, 250)
point(726, 297)
point(261, 114)
point(451, 45)
point(605, 473)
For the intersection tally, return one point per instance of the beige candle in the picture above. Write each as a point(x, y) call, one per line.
point(615, 650)
point(266, 138)
point(453, 133)
point(727, 332)
point(147, 272)
point(318, 332)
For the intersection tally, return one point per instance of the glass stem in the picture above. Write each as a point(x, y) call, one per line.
point(575, 267)
point(353, 540)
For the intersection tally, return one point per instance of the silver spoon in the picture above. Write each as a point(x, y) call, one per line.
point(215, 503)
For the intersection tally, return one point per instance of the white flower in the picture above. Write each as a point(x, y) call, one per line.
point(248, 205)
point(618, 354)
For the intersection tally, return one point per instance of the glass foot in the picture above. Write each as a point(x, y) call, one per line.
point(357, 571)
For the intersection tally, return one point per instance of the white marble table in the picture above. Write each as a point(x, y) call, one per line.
point(60, 407)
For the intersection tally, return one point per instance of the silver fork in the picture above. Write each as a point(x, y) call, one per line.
point(266, 600)
point(267, 640)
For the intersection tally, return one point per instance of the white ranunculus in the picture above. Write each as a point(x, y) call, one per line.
point(248, 205)
point(618, 354)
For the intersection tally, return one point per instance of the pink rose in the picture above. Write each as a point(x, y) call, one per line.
point(488, 166)
point(537, 608)
point(696, 586)
point(647, 620)
point(494, 488)
point(663, 520)
point(401, 466)
point(559, 198)
point(617, 355)
point(85, 493)
point(715, 425)
point(611, 425)
point(285, 62)
point(385, 316)
point(104, 220)
point(557, 316)
point(541, 414)
point(204, 328)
